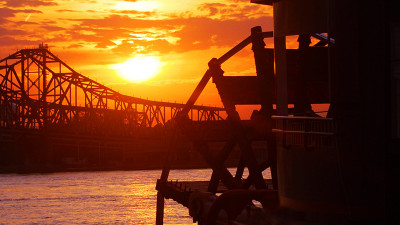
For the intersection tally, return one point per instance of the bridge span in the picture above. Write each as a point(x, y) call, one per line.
point(41, 97)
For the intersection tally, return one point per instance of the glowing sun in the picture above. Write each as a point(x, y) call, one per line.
point(139, 68)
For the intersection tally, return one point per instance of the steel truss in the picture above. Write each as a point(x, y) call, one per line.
point(38, 90)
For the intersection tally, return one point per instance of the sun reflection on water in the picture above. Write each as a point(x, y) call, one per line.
point(116, 197)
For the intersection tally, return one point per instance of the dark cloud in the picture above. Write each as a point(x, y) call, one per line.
point(9, 41)
point(76, 46)
point(20, 23)
point(48, 22)
point(51, 28)
point(6, 13)
point(33, 3)
point(4, 31)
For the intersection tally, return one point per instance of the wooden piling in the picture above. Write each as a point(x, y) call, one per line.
point(160, 209)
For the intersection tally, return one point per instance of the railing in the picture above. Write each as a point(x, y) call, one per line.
point(306, 131)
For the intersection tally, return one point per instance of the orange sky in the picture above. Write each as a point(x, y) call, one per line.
point(92, 35)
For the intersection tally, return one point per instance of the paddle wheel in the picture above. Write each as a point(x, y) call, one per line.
point(234, 133)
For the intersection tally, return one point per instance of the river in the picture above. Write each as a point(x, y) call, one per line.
point(112, 197)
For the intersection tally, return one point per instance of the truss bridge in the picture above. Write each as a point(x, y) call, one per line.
point(42, 96)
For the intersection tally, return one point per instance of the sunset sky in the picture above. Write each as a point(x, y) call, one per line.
point(101, 39)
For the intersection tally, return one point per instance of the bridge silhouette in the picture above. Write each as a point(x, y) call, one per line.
point(43, 99)
point(39, 90)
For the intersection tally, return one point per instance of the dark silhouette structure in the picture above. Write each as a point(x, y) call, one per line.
point(333, 169)
point(50, 114)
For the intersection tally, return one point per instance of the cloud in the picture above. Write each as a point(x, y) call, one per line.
point(4, 31)
point(212, 8)
point(206, 32)
point(76, 46)
point(135, 13)
point(192, 33)
point(174, 81)
point(33, 3)
point(6, 13)
point(20, 23)
point(66, 10)
point(9, 41)
point(52, 28)
point(220, 25)
point(235, 10)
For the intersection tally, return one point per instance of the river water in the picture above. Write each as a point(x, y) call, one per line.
point(112, 197)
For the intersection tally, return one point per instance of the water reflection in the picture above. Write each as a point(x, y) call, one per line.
point(117, 197)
